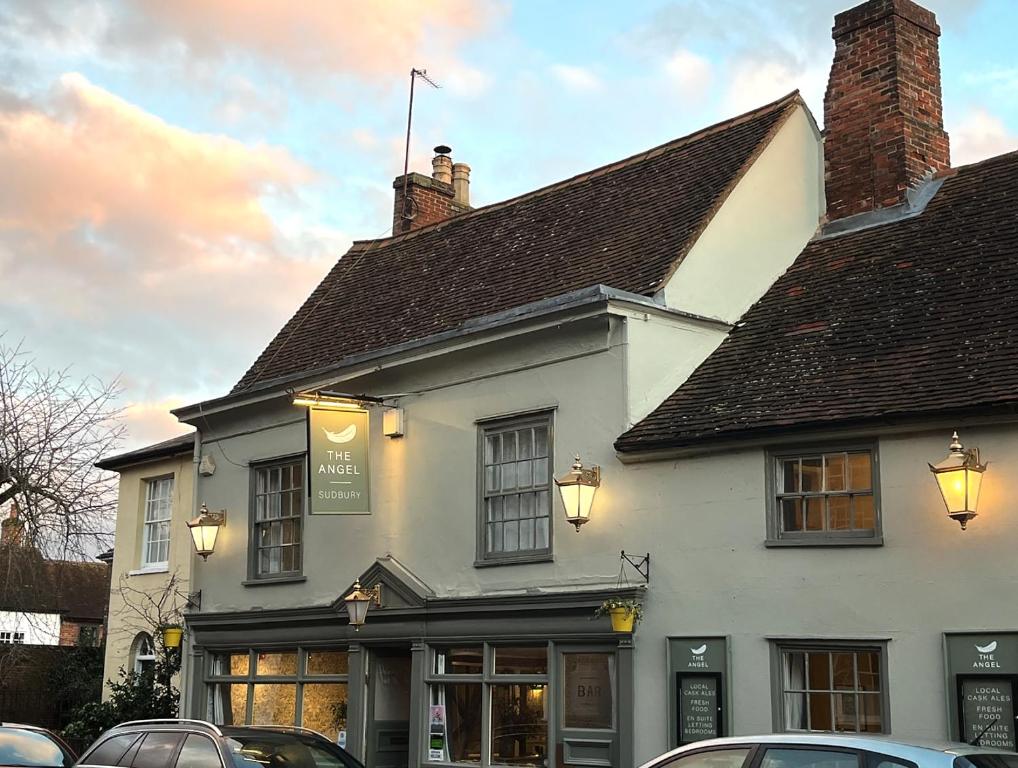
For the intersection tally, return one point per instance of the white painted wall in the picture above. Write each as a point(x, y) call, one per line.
point(39, 628)
point(763, 225)
point(661, 352)
point(703, 519)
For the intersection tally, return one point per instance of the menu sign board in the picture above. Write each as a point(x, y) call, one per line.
point(699, 706)
point(338, 461)
point(697, 670)
point(987, 711)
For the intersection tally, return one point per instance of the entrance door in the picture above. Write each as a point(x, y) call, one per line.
point(388, 742)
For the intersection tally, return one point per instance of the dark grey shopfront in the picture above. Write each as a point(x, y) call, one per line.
point(522, 680)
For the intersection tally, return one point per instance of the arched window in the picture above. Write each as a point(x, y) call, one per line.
point(143, 653)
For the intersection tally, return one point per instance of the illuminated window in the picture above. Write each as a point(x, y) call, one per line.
point(833, 688)
point(824, 497)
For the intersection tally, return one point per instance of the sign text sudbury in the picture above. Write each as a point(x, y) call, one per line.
point(338, 461)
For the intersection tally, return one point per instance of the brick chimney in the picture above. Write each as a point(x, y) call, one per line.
point(12, 529)
point(431, 199)
point(883, 116)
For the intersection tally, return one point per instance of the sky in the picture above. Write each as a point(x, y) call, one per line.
point(176, 177)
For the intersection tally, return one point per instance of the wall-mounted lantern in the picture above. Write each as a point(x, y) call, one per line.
point(358, 602)
point(577, 488)
point(959, 476)
point(205, 529)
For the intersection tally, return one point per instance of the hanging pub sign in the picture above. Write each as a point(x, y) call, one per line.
point(338, 450)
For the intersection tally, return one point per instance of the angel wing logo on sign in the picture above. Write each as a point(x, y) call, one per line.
point(345, 436)
point(699, 651)
point(987, 648)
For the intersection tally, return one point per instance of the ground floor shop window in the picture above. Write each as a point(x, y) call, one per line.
point(833, 688)
point(522, 704)
point(303, 686)
point(489, 705)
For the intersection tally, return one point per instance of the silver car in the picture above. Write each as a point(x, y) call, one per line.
point(820, 750)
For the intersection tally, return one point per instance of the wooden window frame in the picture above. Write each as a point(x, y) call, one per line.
point(146, 524)
point(254, 576)
point(825, 538)
point(537, 418)
point(780, 647)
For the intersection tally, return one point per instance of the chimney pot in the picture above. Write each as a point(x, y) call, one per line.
point(441, 167)
point(461, 183)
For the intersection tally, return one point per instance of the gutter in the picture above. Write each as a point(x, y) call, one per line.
point(814, 432)
point(584, 297)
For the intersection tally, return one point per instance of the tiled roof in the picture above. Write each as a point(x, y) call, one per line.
point(626, 225)
point(913, 317)
point(174, 446)
point(31, 583)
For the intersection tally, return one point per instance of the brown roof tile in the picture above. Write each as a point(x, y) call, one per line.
point(913, 317)
point(624, 225)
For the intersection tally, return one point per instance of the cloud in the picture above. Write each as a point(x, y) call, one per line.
point(753, 81)
point(150, 422)
point(313, 37)
point(139, 246)
point(979, 135)
point(692, 74)
point(576, 78)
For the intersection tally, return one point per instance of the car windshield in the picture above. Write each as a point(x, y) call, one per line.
point(252, 749)
point(19, 747)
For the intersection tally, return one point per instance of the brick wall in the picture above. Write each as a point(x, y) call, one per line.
point(883, 115)
point(432, 202)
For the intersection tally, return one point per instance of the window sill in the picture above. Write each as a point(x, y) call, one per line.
point(274, 580)
point(848, 541)
point(149, 569)
point(521, 560)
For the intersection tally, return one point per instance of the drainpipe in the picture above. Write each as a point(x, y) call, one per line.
point(186, 682)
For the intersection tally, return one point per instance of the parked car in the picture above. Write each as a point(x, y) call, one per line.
point(180, 743)
point(28, 745)
point(816, 750)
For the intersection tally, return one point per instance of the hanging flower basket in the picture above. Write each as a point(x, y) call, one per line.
point(172, 635)
point(624, 614)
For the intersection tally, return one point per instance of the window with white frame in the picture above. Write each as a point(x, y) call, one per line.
point(833, 688)
point(155, 548)
point(516, 498)
point(143, 654)
point(278, 519)
point(11, 637)
point(824, 497)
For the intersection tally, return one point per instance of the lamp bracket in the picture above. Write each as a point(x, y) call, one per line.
point(319, 394)
point(376, 595)
point(640, 564)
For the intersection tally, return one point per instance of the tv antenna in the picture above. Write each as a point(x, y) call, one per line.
point(409, 205)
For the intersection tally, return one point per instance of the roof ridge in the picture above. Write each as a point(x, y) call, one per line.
point(954, 169)
point(790, 98)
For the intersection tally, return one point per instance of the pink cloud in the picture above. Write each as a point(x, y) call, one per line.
point(138, 246)
point(979, 135)
point(316, 36)
point(92, 158)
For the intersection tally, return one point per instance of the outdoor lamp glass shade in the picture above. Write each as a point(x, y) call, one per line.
point(205, 529)
point(577, 488)
point(959, 476)
point(358, 602)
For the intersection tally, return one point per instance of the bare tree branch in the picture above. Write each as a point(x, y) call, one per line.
point(53, 429)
